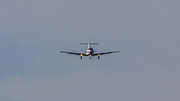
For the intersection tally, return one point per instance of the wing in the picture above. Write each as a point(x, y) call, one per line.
point(72, 53)
point(105, 53)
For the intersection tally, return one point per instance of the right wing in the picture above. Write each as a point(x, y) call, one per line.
point(105, 53)
point(72, 53)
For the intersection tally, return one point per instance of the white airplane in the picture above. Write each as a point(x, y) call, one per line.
point(89, 52)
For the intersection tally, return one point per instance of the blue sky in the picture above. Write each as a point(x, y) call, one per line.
point(31, 32)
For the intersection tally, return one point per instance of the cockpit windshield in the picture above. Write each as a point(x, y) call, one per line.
point(90, 48)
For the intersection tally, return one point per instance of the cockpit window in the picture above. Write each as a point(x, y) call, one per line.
point(90, 48)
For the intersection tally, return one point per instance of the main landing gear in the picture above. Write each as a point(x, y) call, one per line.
point(90, 57)
point(81, 56)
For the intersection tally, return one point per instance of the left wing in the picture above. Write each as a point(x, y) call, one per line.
point(105, 53)
point(72, 53)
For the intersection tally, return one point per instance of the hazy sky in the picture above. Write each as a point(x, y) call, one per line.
point(31, 32)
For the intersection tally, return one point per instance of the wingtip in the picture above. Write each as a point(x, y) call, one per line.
point(59, 51)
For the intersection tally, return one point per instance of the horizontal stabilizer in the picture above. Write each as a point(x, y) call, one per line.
point(89, 43)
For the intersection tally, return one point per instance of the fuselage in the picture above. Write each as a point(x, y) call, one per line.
point(89, 51)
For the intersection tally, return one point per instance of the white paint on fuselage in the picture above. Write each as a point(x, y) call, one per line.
point(89, 51)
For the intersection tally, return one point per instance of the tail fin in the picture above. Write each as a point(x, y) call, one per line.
point(89, 44)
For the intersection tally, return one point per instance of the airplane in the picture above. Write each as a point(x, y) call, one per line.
point(89, 52)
